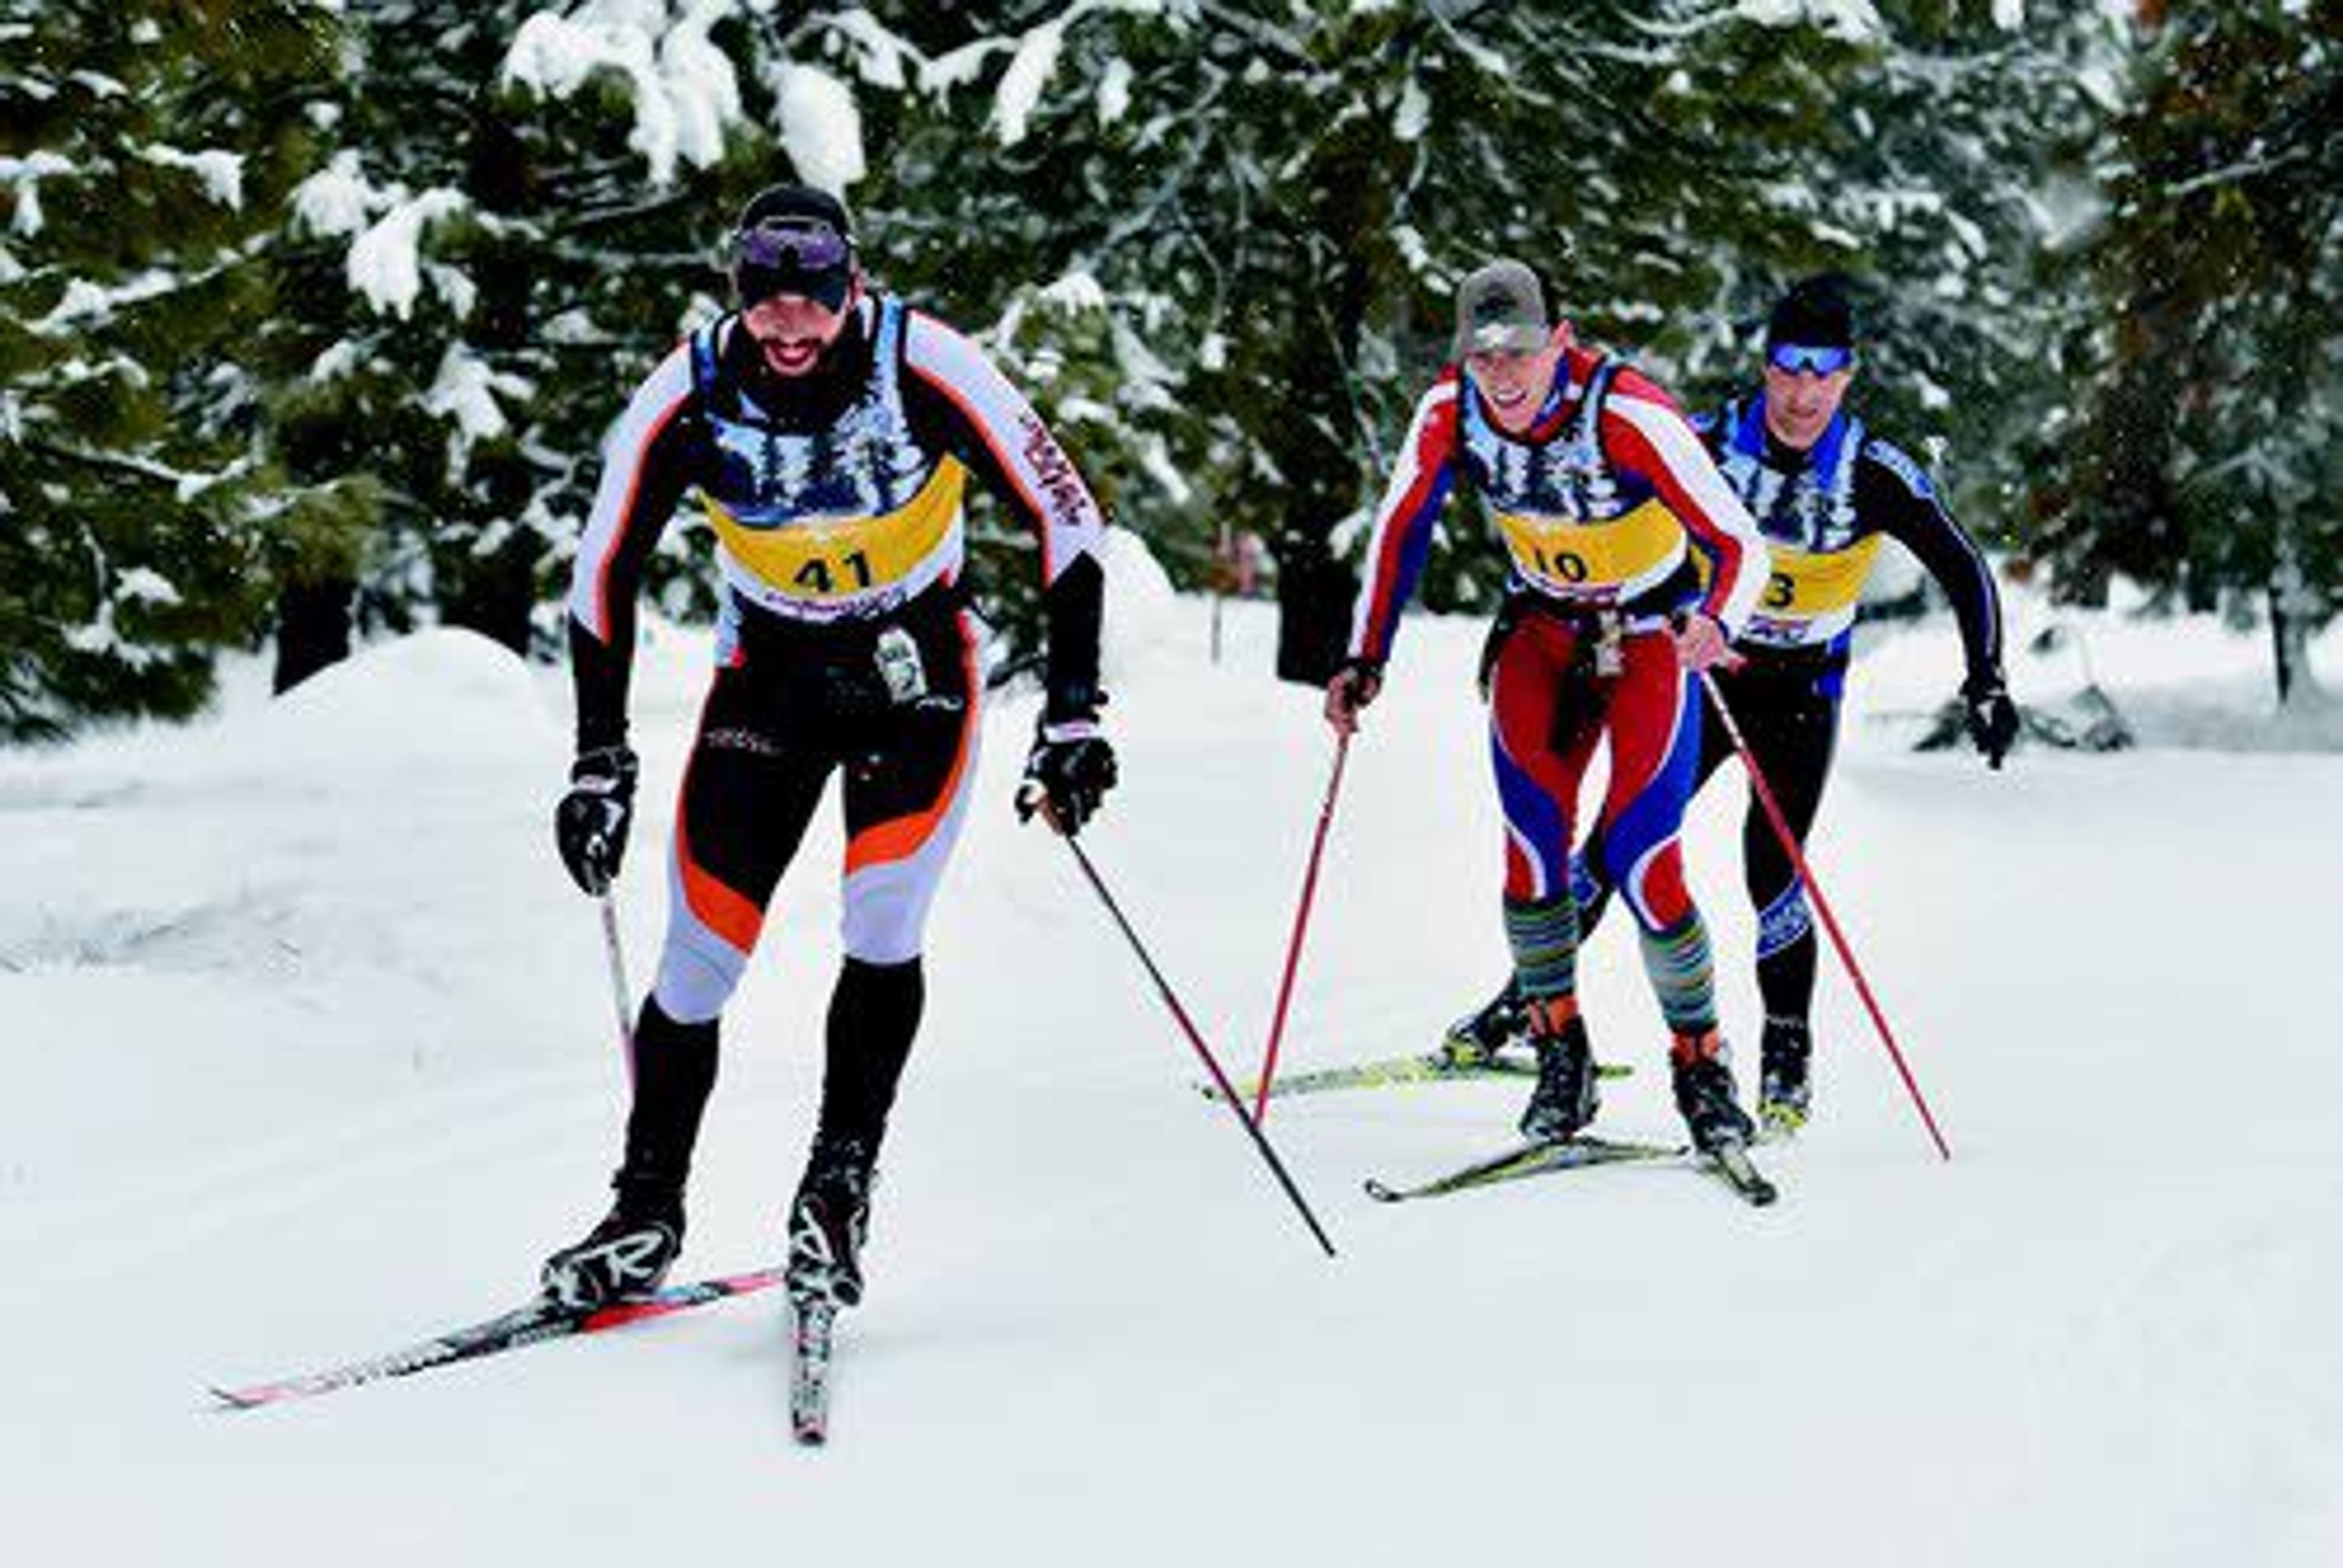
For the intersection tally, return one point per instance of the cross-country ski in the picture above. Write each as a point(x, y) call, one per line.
point(534, 1323)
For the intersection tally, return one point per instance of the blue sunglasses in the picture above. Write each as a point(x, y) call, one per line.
point(1796, 357)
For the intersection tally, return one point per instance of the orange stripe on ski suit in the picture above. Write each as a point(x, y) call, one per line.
point(732, 914)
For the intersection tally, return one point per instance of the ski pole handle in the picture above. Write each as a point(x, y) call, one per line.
point(1781, 822)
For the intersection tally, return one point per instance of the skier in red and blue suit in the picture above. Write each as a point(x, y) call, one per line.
point(1602, 495)
point(1826, 491)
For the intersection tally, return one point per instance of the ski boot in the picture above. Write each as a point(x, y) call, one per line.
point(1564, 1100)
point(828, 1223)
point(1784, 1092)
point(1706, 1095)
point(1474, 1040)
point(627, 1254)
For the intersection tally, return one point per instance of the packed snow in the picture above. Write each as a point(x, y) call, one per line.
point(310, 1054)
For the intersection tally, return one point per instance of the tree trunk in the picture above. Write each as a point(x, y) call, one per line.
point(1315, 592)
point(496, 596)
point(2290, 623)
point(313, 629)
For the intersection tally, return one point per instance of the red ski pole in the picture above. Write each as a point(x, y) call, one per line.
point(1300, 926)
point(1821, 907)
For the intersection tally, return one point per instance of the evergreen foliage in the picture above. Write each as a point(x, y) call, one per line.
point(1215, 240)
point(2202, 452)
point(142, 510)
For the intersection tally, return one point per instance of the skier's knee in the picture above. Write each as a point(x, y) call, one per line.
point(695, 979)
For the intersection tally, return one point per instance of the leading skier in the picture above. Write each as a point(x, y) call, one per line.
point(828, 429)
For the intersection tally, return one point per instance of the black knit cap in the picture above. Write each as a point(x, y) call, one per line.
point(759, 275)
point(1815, 312)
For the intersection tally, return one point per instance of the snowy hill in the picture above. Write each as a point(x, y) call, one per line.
point(309, 1053)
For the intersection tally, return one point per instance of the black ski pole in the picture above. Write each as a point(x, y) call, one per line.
point(1187, 1027)
point(620, 995)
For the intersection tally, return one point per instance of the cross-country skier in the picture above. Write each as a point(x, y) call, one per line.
point(1601, 494)
point(828, 430)
point(1825, 490)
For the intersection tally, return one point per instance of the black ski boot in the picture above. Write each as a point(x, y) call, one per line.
point(1706, 1094)
point(627, 1254)
point(828, 1223)
point(1785, 1089)
point(1565, 1098)
point(630, 1251)
point(1474, 1040)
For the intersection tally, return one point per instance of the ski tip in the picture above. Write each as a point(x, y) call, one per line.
point(1380, 1193)
point(228, 1399)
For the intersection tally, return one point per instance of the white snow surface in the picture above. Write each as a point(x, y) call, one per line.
point(384, 263)
point(336, 199)
point(819, 126)
point(465, 393)
point(221, 173)
point(309, 1054)
point(1028, 77)
point(1852, 20)
point(685, 91)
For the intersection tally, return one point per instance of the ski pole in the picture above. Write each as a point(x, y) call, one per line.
point(1187, 1027)
point(619, 992)
point(1300, 926)
point(1774, 814)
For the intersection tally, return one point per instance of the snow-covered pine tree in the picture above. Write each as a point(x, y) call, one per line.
point(1261, 213)
point(516, 214)
point(144, 520)
point(2202, 457)
point(1953, 156)
point(1265, 211)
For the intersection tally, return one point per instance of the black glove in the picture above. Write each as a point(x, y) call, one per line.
point(1990, 715)
point(590, 825)
point(1070, 769)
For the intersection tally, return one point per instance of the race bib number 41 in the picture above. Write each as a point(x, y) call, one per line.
point(827, 559)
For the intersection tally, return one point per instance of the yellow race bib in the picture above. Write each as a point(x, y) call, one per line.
point(1803, 586)
point(1589, 558)
point(831, 559)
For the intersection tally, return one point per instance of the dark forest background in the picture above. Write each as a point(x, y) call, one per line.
point(312, 318)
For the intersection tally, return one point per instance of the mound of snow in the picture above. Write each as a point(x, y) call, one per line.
point(438, 695)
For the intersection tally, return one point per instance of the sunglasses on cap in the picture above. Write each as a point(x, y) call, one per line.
point(1793, 357)
point(807, 245)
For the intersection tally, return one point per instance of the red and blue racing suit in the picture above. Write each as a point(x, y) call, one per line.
point(1601, 505)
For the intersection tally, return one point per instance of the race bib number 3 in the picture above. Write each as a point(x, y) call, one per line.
point(1803, 587)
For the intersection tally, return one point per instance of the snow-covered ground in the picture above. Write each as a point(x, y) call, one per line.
point(308, 1052)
